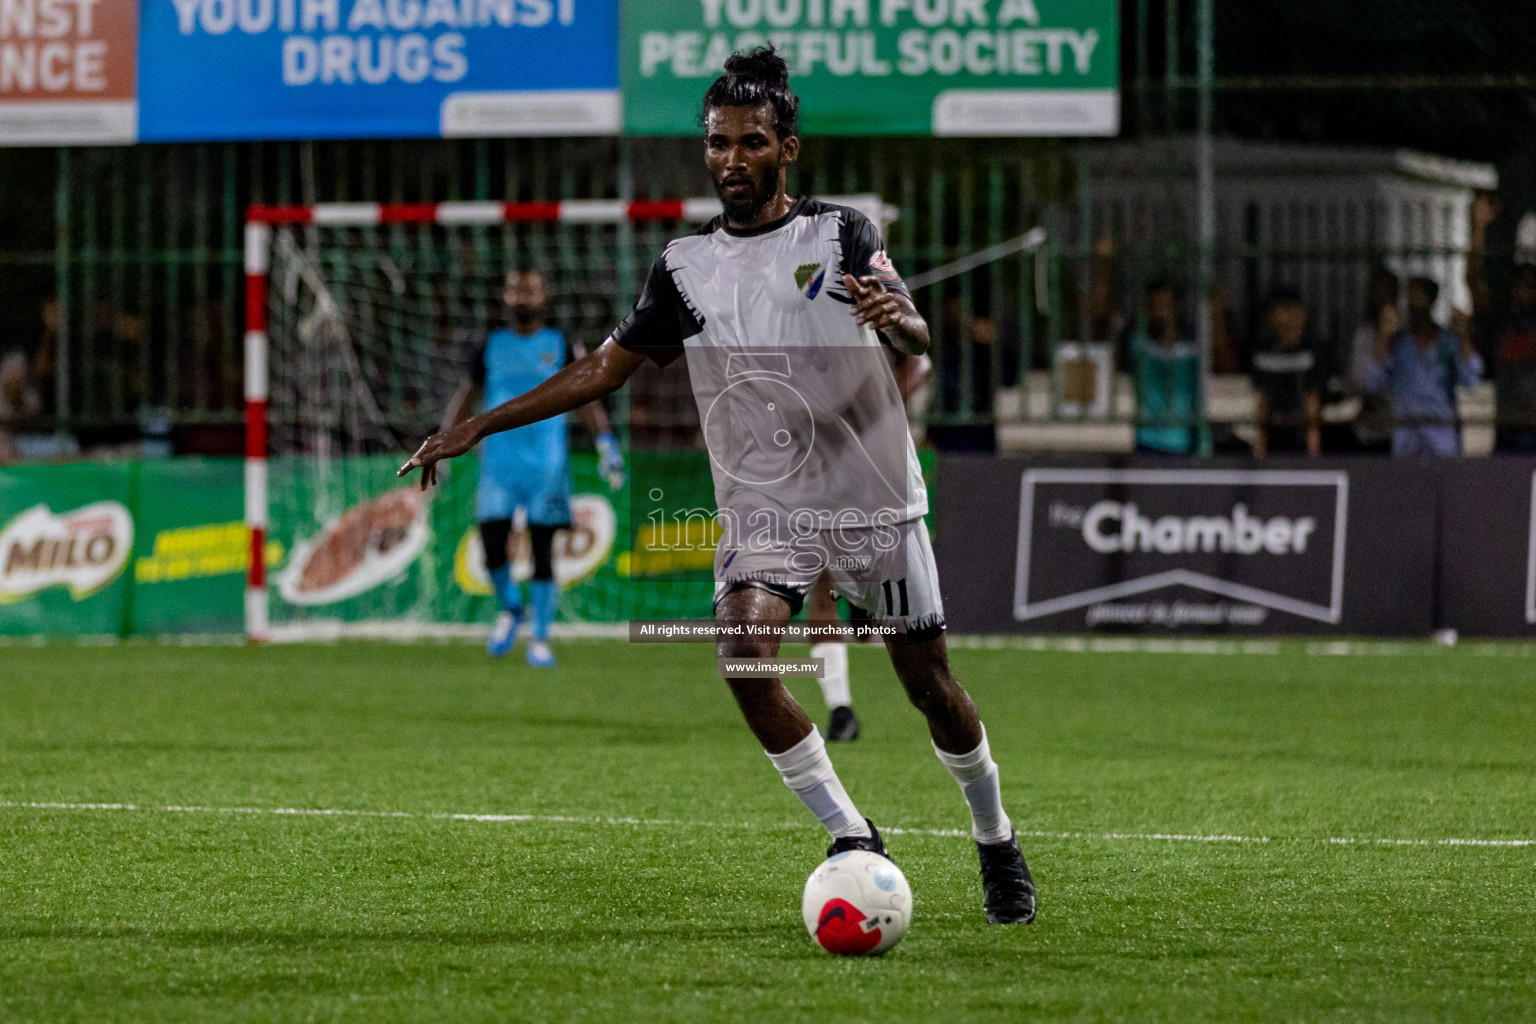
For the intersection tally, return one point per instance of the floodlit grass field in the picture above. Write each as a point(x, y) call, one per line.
point(692, 912)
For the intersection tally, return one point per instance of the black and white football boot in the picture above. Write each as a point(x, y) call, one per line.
point(1005, 881)
point(872, 842)
point(844, 727)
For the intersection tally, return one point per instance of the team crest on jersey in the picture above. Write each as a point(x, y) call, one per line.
point(809, 277)
point(880, 263)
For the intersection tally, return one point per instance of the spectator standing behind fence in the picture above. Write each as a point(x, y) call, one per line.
point(1165, 362)
point(1419, 369)
point(1373, 424)
point(42, 366)
point(976, 432)
point(1506, 324)
point(19, 401)
point(1287, 374)
point(1514, 366)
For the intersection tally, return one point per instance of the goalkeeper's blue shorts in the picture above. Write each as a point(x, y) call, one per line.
point(544, 491)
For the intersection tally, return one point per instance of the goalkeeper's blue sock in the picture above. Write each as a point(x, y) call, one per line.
point(508, 594)
point(545, 595)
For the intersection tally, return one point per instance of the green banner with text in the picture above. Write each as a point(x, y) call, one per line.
point(885, 67)
point(119, 548)
point(66, 539)
point(192, 547)
point(161, 548)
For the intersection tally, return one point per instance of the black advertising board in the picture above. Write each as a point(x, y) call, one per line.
point(1488, 547)
point(1336, 546)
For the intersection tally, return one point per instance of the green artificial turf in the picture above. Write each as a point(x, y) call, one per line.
point(693, 913)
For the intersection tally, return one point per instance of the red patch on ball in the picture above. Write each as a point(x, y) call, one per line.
point(840, 929)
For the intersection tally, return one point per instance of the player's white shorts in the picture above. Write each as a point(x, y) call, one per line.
point(891, 577)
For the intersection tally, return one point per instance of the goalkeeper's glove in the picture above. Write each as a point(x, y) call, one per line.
point(610, 461)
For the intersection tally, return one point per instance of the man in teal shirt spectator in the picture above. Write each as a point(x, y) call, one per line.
point(1165, 362)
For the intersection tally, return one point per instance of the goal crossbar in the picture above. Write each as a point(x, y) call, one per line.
point(563, 211)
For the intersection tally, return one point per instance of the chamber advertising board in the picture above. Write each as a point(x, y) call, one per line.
point(1137, 548)
point(1488, 547)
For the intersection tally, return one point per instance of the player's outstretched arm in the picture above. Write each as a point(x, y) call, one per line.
point(592, 414)
point(583, 380)
point(610, 461)
point(890, 313)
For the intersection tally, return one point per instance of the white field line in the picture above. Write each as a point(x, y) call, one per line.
point(566, 819)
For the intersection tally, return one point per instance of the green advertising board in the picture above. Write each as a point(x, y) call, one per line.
point(161, 548)
point(361, 547)
point(118, 548)
point(66, 539)
point(192, 547)
point(885, 67)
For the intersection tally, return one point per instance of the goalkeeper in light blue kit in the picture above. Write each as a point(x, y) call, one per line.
point(526, 468)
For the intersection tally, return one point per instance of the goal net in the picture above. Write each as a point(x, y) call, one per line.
point(363, 320)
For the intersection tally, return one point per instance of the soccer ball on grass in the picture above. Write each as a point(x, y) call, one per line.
point(857, 904)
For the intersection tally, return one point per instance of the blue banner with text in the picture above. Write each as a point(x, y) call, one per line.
point(302, 69)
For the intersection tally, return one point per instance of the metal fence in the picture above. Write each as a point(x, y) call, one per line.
point(132, 291)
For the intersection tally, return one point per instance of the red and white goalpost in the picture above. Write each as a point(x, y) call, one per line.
point(264, 225)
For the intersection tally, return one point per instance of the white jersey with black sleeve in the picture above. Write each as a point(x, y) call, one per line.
point(800, 409)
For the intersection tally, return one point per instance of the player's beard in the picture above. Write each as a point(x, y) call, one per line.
point(525, 317)
point(744, 208)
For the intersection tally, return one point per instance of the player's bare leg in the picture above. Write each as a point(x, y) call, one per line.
point(923, 669)
point(960, 742)
point(821, 609)
point(771, 712)
point(783, 728)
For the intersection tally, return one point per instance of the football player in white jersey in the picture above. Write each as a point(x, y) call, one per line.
point(814, 469)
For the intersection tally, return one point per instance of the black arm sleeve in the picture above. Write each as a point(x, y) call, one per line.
point(661, 319)
point(864, 252)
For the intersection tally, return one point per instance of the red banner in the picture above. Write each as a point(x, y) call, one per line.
point(68, 72)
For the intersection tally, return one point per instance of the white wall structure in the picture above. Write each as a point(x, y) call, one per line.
point(1311, 217)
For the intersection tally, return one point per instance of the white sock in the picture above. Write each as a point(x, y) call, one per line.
point(976, 773)
point(834, 684)
point(808, 771)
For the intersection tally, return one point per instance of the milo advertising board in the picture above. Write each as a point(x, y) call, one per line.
point(361, 548)
point(120, 548)
point(67, 536)
point(160, 547)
